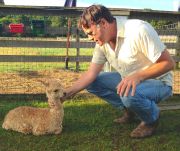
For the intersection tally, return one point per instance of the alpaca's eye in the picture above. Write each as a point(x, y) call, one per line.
point(56, 90)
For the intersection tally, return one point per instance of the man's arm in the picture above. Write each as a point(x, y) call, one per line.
point(87, 78)
point(164, 64)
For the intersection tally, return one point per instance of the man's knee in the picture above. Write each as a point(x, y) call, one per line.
point(94, 86)
point(131, 102)
point(90, 88)
point(127, 102)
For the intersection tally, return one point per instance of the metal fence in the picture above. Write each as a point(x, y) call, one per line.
point(26, 60)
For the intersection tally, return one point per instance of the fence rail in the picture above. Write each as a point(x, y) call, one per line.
point(146, 14)
point(59, 44)
point(22, 58)
point(45, 44)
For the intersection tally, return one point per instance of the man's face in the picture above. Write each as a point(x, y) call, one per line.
point(95, 33)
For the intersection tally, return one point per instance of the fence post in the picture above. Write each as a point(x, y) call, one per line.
point(68, 43)
point(77, 50)
point(178, 45)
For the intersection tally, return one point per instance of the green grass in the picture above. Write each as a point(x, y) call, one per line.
point(7, 67)
point(88, 126)
point(44, 51)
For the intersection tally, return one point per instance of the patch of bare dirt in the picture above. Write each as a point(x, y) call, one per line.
point(29, 82)
point(176, 82)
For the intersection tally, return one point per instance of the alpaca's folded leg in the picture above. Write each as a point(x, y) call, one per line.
point(24, 128)
point(39, 130)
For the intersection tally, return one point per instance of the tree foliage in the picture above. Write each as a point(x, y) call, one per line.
point(159, 23)
point(53, 21)
point(59, 21)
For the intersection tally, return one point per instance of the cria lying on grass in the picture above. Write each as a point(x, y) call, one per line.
point(39, 121)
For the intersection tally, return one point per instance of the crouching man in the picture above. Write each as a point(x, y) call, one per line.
point(142, 63)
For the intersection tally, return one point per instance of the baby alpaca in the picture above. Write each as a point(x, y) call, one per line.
point(39, 121)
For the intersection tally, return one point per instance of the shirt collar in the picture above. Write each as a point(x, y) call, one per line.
point(120, 22)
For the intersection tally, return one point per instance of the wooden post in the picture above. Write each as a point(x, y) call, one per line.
point(178, 46)
point(77, 50)
point(68, 43)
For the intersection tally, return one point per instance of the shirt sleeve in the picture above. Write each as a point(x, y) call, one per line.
point(150, 43)
point(98, 55)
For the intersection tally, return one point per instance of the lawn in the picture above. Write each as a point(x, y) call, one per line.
point(88, 126)
point(7, 67)
point(44, 51)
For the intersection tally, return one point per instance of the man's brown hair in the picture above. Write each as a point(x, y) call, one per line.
point(93, 14)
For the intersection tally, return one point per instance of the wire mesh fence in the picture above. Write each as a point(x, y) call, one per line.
point(38, 52)
point(34, 52)
point(172, 40)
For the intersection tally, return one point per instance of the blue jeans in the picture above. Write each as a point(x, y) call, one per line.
point(144, 103)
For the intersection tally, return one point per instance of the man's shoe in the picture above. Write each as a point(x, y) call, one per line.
point(127, 117)
point(144, 130)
